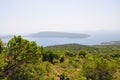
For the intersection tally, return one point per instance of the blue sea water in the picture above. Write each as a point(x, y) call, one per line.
point(94, 39)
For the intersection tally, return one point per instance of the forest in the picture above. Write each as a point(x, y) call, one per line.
point(21, 59)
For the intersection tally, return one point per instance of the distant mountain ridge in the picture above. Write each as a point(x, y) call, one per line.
point(111, 43)
point(59, 35)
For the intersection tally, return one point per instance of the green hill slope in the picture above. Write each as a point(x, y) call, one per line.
point(71, 47)
point(91, 49)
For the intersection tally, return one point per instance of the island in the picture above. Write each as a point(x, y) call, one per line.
point(58, 35)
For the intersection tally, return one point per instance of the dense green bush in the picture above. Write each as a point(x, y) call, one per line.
point(19, 52)
point(48, 55)
point(82, 53)
point(98, 68)
point(21, 59)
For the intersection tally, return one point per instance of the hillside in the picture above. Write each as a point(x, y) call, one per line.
point(111, 49)
point(71, 47)
point(21, 59)
point(58, 35)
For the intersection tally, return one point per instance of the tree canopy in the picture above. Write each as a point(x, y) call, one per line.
point(21, 59)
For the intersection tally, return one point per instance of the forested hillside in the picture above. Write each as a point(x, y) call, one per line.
point(21, 59)
point(71, 47)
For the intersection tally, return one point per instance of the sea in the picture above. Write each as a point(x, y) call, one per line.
point(94, 39)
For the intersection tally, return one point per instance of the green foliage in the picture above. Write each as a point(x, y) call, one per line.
point(19, 51)
point(48, 55)
point(70, 54)
point(98, 68)
point(72, 48)
point(61, 59)
point(82, 53)
point(115, 55)
point(64, 77)
point(1, 46)
point(21, 59)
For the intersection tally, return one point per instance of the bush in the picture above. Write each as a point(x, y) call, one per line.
point(82, 53)
point(62, 59)
point(64, 77)
point(98, 68)
point(48, 55)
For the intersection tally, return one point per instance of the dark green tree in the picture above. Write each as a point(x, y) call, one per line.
point(49, 55)
point(19, 52)
point(1, 46)
point(62, 59)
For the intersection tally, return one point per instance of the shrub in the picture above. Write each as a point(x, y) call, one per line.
point(98, 68)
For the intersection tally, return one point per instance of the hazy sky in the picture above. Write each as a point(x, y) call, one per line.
point(30, 16)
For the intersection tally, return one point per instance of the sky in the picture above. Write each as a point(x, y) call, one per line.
point(31, 16)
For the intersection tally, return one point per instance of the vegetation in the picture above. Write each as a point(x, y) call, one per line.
point(21, 59)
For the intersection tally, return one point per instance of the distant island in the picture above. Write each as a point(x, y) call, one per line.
point(49, 34)
point(7, 36)
point(111, 43)
point(58, 35)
